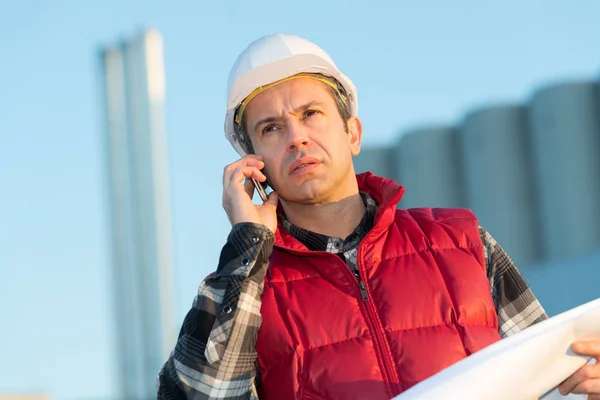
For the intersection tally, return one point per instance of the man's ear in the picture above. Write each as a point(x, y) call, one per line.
point(354, 135)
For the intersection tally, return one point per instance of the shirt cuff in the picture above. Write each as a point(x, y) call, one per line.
point(248, 244)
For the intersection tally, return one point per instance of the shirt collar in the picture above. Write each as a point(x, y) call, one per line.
point(318, 242)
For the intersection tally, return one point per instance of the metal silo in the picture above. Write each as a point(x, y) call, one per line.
point(429, 168)
point(495, 147)
point(566, 145)
point(378, 160)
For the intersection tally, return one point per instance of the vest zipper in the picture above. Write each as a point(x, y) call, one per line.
point(379, 341)
point(361, 286)
point(382, 346)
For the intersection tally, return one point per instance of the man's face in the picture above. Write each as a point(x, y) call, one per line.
point(308, 149)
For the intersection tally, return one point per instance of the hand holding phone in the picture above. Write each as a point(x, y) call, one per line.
point(240, 179)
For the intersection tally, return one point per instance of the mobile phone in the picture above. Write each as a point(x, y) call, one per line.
point(260, 188)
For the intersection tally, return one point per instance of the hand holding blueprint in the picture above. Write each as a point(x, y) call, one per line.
point(526, 366)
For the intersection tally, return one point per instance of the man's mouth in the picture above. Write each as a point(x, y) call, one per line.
point(303, 163)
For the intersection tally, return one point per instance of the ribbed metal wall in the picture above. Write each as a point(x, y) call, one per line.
point(429, 168)
point(378, 160)
point(495, 147)
point(565, 124)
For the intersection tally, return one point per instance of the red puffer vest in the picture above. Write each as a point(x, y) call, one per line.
point(428, 305)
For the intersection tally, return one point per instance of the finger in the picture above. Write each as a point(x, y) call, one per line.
point(587, 348)
point(238, 176)
point(230, 169)
point(272, 200)
point(582, 374)
point(251, 160)
point(589, 386)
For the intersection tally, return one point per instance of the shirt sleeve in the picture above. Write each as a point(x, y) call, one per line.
point(215, 354)
point(515, 303)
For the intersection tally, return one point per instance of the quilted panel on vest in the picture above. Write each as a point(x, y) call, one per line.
point(429, 290)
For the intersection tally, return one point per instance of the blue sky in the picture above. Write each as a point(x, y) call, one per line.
point(414, 63)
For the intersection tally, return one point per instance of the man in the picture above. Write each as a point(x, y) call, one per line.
point(326, 290)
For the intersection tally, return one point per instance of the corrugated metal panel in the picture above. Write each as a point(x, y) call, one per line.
point(566, 146)
point(378, 160)
point(429, 168)
point(495, 147)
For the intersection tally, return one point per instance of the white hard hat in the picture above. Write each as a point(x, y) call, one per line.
point(271, 59)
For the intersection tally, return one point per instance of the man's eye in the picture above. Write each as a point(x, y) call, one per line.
point(269, 128)
point(310, 113)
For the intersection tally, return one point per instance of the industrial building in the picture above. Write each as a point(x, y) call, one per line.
point(133, 85)
point(530, 172)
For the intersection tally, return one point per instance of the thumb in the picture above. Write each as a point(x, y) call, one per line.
point(272, 200)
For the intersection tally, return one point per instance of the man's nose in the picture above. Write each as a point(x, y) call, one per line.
point(297, 135)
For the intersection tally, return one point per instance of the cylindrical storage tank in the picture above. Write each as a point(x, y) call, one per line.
point(429, 169)
point(378, 160)
point(495, 147)
point(565, 129)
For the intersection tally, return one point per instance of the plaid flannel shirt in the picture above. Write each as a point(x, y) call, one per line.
point(215, 355)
